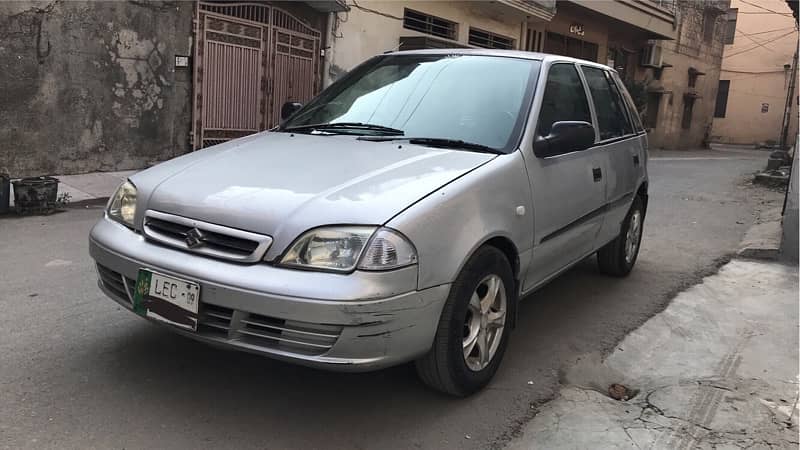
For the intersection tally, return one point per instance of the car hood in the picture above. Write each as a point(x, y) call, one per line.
point(282, 184)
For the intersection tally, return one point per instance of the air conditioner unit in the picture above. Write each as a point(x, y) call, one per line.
point(651, 54)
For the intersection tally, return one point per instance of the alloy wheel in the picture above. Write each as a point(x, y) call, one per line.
point(484, 323)
point(632, 236)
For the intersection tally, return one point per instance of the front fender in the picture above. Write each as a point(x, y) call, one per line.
point(449, 224)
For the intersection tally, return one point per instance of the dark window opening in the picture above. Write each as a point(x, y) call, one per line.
point(428, 24)
point(722, 98)
point(487, 39)
point(688, 107)
point(653, 105)
point(529, 40)
point(730, 25)
point(709, 20)
point(559, 44)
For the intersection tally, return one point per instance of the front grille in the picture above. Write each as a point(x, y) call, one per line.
point(119, 285)
point(215, 320)
point(209, 239)
point(268, 332)
point(300, 337)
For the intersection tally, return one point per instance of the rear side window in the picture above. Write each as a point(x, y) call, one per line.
point(612, 118)
point(564, 98)
point(633, 111)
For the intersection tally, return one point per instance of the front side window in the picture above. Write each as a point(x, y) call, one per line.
point(612, 119)
point(564, 98)
point(478, 99)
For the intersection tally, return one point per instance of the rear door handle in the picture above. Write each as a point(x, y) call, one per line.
point(636, 160)
point(597, 174)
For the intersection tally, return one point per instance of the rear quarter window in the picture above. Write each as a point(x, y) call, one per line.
point(612, 114)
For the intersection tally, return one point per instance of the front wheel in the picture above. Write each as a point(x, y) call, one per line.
point(474, 326)
point(618, 256)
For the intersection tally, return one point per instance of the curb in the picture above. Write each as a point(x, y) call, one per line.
point(763, 240)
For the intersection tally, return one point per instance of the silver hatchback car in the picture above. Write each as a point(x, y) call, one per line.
point(399, 216)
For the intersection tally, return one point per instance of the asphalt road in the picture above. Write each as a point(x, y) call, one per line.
point(77, 371)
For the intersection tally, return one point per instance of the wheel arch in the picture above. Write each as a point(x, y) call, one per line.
point(507, 247)
point(642, 192)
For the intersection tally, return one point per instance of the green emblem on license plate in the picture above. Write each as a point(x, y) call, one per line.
point(141, 291)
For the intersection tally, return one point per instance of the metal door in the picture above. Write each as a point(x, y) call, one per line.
point(295, 62)
point(249, 59)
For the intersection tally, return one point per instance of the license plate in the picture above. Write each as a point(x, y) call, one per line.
point(167, 299)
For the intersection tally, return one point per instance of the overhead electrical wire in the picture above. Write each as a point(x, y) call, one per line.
point(763, 43)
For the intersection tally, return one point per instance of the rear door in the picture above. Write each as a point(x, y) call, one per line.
point(618, 145)
point(568, 189)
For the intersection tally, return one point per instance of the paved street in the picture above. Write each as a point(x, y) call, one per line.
point(77, 371)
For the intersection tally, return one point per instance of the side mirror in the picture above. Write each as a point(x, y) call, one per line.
point(565, 137)
point(289, 108)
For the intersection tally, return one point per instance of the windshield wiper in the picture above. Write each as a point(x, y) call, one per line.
point(457, 144)
point(346, 126)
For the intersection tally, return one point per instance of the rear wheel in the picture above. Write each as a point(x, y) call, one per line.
point(618, 256)
point(474, 326)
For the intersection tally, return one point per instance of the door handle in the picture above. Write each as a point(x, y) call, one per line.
point(636, 160)
point(597, 174)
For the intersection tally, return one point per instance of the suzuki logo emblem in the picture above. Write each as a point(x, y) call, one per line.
point(194, 238)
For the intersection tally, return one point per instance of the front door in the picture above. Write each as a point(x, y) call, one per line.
point(568, 189)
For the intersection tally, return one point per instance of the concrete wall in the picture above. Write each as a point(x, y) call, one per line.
point(754, 64)
point(361, 34)
point(689, 50)
point(87, 86)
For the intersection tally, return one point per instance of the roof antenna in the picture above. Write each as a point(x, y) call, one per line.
point(394, 49)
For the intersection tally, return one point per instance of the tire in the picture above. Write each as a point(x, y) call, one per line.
point(445, 367)
point(618, 256)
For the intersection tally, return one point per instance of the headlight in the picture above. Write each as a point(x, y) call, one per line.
point(341, 248)
point(122, 206)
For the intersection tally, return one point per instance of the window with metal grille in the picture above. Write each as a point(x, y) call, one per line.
point(428, 24)
point(424, 42)
point(487, 39)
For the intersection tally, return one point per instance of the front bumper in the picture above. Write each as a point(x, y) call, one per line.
point(357, 322)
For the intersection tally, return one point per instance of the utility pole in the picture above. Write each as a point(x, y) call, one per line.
point(790, 99)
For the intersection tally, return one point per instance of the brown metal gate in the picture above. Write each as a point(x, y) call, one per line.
point(249, 59)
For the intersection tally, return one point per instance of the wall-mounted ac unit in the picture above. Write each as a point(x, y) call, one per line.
point(651, 54)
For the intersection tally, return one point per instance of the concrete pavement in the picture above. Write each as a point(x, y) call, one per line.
point(717, 369)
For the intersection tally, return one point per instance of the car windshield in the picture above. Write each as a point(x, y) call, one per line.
point(476, 99)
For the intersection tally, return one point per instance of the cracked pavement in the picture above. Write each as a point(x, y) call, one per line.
point(717, 369)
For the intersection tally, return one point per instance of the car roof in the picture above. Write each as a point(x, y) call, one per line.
point(544, 57)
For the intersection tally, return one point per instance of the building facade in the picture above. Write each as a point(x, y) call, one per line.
point(91, 86)
point(756, 75)
point(679, 86)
